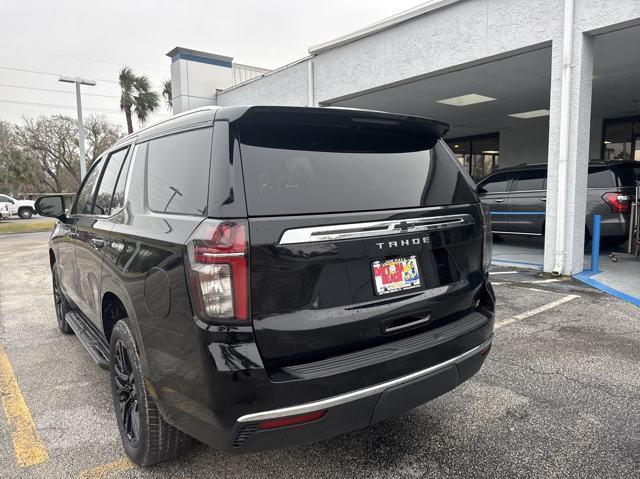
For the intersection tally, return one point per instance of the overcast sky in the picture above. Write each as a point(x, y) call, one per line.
point(94, 39)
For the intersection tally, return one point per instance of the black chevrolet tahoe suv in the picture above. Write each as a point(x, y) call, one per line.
point(261, 277)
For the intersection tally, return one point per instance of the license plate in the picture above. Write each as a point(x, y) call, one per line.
point(397, 274)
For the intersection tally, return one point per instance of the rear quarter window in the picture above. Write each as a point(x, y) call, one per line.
point(599, 178)
point(178, 172)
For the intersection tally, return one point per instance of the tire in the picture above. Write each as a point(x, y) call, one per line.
point(25, 213)
point(60, 302)
point(613, 241)
point(147, 438)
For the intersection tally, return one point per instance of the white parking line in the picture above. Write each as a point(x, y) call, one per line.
point(538, 310)
point(503, 272)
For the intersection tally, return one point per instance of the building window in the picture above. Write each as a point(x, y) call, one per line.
point(480, 155)
point(621, 139)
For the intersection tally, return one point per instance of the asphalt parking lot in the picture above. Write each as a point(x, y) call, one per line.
point(558, 397)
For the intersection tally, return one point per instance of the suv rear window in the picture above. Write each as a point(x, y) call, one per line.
point(333, 162)
point(178, 172)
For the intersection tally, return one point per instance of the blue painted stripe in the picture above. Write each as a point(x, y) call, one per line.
point(518, 213)
point(197, 58)
point(500, 262)
point(586, 278)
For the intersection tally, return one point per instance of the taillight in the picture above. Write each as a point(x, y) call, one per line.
point(487, 237)
point(219, 270)
point(618, 202)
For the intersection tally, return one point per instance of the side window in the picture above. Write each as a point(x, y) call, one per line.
point(599, 178)
point(84, 203)
point(108, 182)
point(496, 184)
point(178, 172)
point(4, 199)
point(118, 194)
point(530, 180)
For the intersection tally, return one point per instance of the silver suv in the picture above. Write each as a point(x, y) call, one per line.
point(516, 197)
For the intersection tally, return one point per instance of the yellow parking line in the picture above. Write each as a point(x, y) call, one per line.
point(27, 444)
point(123, 464)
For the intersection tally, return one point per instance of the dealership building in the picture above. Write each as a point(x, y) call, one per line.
point(519, 81)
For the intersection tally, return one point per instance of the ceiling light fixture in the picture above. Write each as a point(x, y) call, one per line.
point(490, 152)
point(525, 115)
point(465, 100)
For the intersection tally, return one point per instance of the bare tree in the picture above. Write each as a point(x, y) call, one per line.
point(18, 172)
point(99, 135)
point(53, 143)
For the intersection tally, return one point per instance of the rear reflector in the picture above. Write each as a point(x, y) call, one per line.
point(292, 420)
point(618, 202)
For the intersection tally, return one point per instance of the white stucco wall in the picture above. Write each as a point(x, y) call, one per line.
point(287, 86)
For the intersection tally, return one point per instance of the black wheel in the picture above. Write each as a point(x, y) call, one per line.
point(62, 307)
point(25, 213)
point(146, 437)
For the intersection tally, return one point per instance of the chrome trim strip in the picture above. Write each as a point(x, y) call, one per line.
point(317, 234)
point(360, 393)
point(224, 255)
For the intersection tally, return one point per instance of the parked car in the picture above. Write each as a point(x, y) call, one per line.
point(23, 208)
point(517, 198)
point(260, 277)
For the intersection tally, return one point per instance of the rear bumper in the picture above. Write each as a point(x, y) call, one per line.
point(225, 407)
point(613, 225)
point(360, 408)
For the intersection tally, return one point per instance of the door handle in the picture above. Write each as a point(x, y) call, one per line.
point(543, 199)
point(499, 200)
point(98, 243)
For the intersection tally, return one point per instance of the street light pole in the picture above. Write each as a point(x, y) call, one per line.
point(79, 81)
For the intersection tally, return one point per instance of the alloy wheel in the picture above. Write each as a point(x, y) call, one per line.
point(129, 407)
point(57, 298)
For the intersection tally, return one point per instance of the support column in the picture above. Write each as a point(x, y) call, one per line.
point(197, 76)
point(573, 194)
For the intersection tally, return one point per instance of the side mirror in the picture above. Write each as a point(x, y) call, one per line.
point(481, 191)
point(52, 206)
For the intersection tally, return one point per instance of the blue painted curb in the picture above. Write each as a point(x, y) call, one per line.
point(586, 278)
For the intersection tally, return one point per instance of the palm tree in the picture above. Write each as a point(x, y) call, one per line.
point(166, 93)
point(137, 96)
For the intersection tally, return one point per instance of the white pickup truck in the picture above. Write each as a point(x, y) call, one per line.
point(10, 206)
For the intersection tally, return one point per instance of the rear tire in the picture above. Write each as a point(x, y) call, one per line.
point(25, 213)
point(61, 305)
point(613, 241)
point(147, 438)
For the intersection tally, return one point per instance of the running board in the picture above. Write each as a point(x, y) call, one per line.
point(90, 339)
